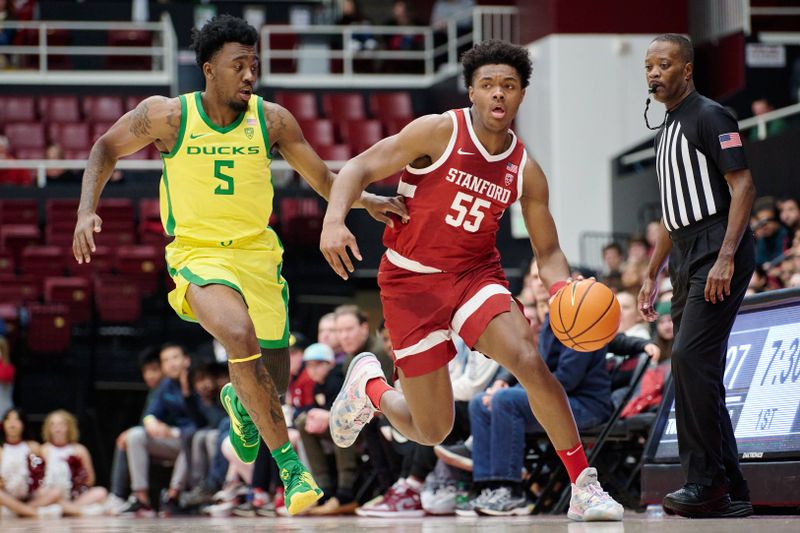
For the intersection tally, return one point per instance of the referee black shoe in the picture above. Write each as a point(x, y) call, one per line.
point(740, 507)
point(694, 500)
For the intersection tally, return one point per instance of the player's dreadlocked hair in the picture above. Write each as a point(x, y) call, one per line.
point(684, 44)
point(494, 52)
point(218, 31)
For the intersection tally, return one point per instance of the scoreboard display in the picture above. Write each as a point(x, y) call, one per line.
point(762, 381)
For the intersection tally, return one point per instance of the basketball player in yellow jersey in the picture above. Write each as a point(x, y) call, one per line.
point(216, 199)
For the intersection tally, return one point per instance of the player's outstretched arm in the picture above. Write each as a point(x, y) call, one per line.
point(285, 133)
point(552, 262)
point(424, 137)
point(155, 119)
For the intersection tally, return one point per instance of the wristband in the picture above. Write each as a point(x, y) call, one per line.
point(557, 286)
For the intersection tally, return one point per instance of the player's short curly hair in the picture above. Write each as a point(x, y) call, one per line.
point(216, 32)
point(494, 52)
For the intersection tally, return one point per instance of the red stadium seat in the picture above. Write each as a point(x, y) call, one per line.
point(70, 135)
point(17, 109)
point(141, 38)
point(102, 262)
point(303, 105)
point(77, 154)
point(392, 126)
point(75, 293)
point(26, 135)
point(59, 108)
point(102, 108)
point(19, 212)
point(30, 153)
point(283, 42)
point(49, 328)
point(132, 101)
point(301, 220)
point(142, 264)
point(117, 299)
point(18, 290)
point(116, 209)
point(318, 132)
point(343, 106)
point(151, 231)
point(15, 237)
point(6, 263)
point(334, 152)
point(99, 128)
point(43, 261)
point(386, 105)
point(361, 134)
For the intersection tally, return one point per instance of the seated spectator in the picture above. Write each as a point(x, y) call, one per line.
point(636, 264)
point(789, 209)
point(352, 330)
point(68, 466)
point(771, 237)
point(763, 106)
point(651, 235)
point(351, 15)
point(326, 334)
point(612, 266)
point(12, 176)
point(150, 367)
point(401, 16)
point(7, 374)
point(166, 419)
point(22, 471)
point(314, 429)
point(631, 322)
point(59, 175)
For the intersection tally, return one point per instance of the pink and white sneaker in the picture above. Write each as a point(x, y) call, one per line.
point(353, 409)
point(401, 500)
point(590, 503)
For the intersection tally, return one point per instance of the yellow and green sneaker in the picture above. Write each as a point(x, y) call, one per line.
point(243, 433)
point(301, 491)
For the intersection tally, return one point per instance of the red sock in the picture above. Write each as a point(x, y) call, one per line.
point(574, 461)
point(376, 387)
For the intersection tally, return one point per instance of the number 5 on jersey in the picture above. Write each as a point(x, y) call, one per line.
point(467, 217)
point(226, 187)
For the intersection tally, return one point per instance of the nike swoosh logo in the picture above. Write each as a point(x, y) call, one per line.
point(197, 135)
point(286, 448)
point(573, 452)
point(461, 152)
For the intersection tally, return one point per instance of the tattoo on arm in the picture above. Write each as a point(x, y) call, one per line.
point(140, 123)
point(277, 121)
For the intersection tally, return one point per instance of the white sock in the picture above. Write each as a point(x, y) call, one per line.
point(413, 483)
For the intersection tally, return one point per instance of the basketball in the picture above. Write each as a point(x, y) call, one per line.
point(585, 315)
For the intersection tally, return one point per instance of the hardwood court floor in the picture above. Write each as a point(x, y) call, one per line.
point(634, 523)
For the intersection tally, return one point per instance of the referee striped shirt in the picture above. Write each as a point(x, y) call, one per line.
point(695, 147)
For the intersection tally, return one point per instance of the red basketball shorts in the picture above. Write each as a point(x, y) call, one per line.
point(422, 310)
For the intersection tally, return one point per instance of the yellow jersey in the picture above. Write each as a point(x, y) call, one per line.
point(216, 184)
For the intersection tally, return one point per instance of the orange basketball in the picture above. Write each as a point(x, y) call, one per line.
point(584, 315)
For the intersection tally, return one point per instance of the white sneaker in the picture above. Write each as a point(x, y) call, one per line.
point(439, 499)
point(590, 503)
point(94, 509)
point(220, 510)
point(114, 504)
point(353, 409)
point(50, 511)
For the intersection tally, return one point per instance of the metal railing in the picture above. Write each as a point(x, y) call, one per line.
point(759, 122)
point(40, 166)
point(713, 19)
point(163, 54)
point(312, 51)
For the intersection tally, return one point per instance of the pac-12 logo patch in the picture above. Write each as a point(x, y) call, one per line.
point(509, 178)
point(249, 132)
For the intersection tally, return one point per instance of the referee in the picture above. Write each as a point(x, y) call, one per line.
point(706, 196)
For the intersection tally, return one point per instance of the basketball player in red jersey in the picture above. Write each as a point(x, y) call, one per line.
point(441, 272)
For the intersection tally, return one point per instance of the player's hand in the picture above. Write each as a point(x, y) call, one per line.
point(380, 207)
point(334, 241)
point(718, 283)
point(647, 297)
point(83, 239)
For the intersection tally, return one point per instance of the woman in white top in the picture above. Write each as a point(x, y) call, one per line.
point(22, 470)
point(69, 466)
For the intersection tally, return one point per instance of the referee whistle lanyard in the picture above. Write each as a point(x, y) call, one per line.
point(651, 90)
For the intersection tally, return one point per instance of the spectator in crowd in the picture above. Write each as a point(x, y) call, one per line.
point(789, 209)
point(59, 175)
point(351, 15)
point(762, 106)
point(313, 423)
point(166, 418)
point(326, 334)
point(12, 176)
point(636, 263)
point(7, 374)
point(651, 234)
point(401, 16)
point(631, 322)
point(150, 367)
point(352, 330)
point(22, 471)
point(6, 34)
point(68, 466)
point(771, 237)
point(612, 266)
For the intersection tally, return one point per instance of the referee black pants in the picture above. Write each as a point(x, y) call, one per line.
point(706, 443)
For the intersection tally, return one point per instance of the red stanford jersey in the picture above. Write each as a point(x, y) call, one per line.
point(456, 203)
